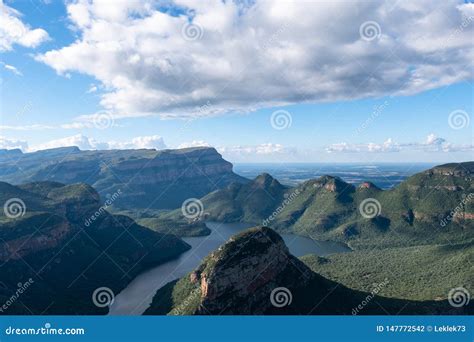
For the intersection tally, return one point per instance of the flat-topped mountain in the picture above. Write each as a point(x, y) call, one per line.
point(428, 207)
point(63, 238)
point(147, 177)
point(254, 273)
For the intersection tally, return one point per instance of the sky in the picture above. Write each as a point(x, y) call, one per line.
point(261, 81)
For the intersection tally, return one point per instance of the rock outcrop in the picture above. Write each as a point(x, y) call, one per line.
point(153, 179)
point(241, 275)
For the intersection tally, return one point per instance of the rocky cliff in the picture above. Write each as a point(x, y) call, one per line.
point(63, 238)
point(148, 178)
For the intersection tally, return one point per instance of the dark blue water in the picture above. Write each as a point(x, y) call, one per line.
point(384, 175)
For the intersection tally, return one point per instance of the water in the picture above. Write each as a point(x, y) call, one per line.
point(384, 175)
point(137, 296)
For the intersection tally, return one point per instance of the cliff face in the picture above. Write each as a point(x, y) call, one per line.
point(62, 237)
point(170, 165)
point(240, 276)
point(148, 178)
point(28, 244)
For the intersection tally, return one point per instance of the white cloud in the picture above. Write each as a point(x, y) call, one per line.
point(194, 143)
point(248, 56)
point(79, 140)
point(86, 143)
point(12, 69)
point(14, 31)
point(34, 127)
point(154, 141)
point(432, 143)
point(9, 144)
point(92, 89)
point(262, 149)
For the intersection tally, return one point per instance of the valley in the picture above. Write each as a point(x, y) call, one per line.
point(124, 226)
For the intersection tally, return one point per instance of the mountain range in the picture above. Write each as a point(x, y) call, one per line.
point(75, 221)
point(434, 206)
point(148, 178)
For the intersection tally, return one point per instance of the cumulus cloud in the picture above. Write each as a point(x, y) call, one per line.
point(86, 143)
point(154, 141)
point(194, 143)
point(432, 143)
point(10, 144)
point(258, 153)
point(79, 140)
point(14, 31)
point(241, 56)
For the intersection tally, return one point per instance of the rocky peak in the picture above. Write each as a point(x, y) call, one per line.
point(331, 184)
point(453, 169)
point(266, 181)
point(244, 271)
point(369, 186)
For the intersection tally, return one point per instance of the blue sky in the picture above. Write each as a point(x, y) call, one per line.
point(396, 97)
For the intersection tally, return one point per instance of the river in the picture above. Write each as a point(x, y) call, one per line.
point(137, 296)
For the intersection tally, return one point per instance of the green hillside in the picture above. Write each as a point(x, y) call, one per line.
point(434, 206)
point(53, 240)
